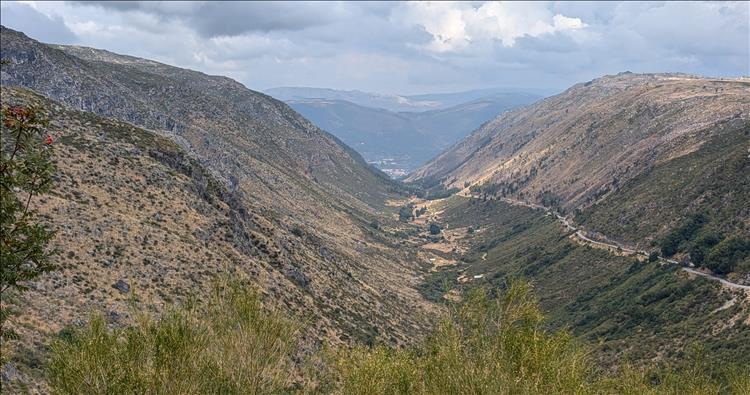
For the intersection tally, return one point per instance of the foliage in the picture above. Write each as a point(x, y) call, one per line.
point(492, 342)
point(498, 345)
point(230, 345)
point(406, 213)
point(711, 180)
point(638, 311)
point(726, 255)
point(671, 243)
point(435, 229)
point(26, 171)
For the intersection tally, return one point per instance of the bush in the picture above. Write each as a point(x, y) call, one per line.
point(26, 170)
point(702, 245)
point(484, 345)
point(726, 255)
point(435, 229)
point(499, 345)
point(671, 243)
point(406, 213)
point(231, 345)
point(228, 345)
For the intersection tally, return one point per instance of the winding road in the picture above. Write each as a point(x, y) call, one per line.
point(580, 234)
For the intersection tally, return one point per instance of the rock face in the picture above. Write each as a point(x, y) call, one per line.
point(168, 177)
point(599, 141)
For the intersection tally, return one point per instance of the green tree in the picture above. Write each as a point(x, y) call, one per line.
point(26, 171)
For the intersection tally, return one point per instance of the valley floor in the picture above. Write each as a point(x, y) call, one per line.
point(605, 293)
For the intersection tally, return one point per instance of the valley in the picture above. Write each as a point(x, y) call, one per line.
point(404, 133)
point(210, 238)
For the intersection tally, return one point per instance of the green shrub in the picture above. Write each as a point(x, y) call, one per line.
point(230, 345)
point(726, 255)
point(26, 170)
point(499, 345)
point(485, 345)
point(671, 243)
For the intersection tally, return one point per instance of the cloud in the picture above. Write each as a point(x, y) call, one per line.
point(406, 47)
point(459, 26)
point(25, 18)
point(230, 18)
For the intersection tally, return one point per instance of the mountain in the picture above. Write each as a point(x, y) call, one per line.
point(167, 175)
point(401, 141)
point(399, 103)
point(654, 160)
point(366, 99)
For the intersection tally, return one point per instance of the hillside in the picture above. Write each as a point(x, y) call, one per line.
point(632, 156)
point(138, 217)
point(629, 309)
point(169, 176)
point(403, 140)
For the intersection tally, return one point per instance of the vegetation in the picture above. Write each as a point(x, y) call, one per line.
point(435, 229)
point(26, 171)
point(727, 255)
point(671, 243)
point(701, 197)
point(406, 213)
point(489, 343)
point(707, 248)
point(227, 345)
point(628, 309)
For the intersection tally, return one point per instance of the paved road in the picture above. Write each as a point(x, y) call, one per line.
point(611, 245)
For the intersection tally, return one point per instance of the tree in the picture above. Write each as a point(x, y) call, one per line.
point(434, 229)
point(26, 171)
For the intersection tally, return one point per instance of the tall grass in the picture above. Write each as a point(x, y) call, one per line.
point(228, 345)
point(498, 345)
point(231, 345)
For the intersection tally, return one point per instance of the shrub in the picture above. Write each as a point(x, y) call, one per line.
point(435, 229)
point(26, 171)
point(405, 213)
point(726, 255)
point(485, 345)
point(671, 243)
point(229, 345)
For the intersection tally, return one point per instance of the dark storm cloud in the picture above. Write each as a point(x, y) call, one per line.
point(231, 18)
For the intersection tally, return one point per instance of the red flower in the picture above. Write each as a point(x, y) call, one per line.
point(48, 140)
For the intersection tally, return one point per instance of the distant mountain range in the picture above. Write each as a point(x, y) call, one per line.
point(400, 133)
point(399, 103)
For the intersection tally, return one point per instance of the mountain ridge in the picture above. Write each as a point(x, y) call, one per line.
point(631, 155)
point(316, 198)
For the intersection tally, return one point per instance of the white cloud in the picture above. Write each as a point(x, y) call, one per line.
point(459, 26)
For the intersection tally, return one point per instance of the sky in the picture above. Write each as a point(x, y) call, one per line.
point(406, 48)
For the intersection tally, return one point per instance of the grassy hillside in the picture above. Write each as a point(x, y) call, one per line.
point(138, 218)
point(633, 156)
point(711, 181)
point(630, 310)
